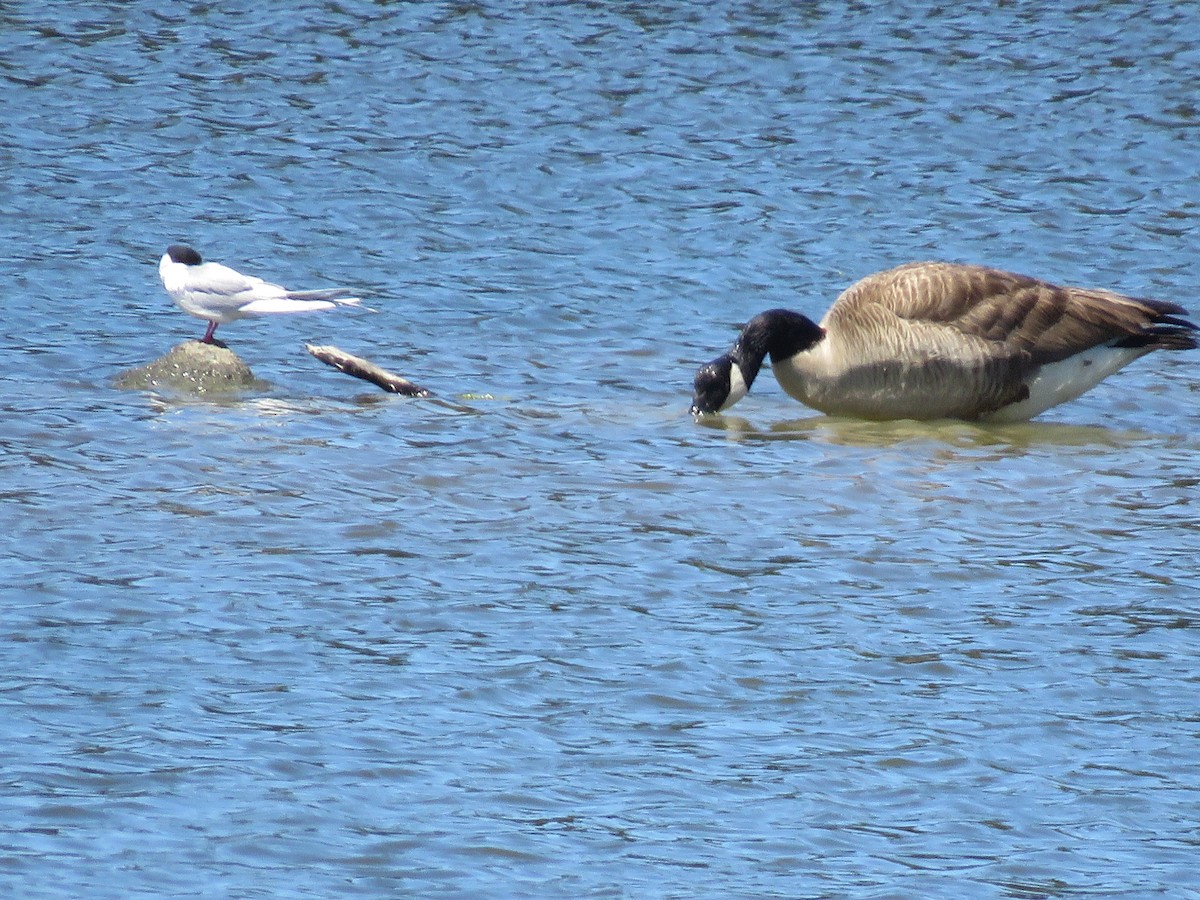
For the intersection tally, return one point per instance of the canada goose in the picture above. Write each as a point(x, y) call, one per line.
point(220, 294)
point(935, 340)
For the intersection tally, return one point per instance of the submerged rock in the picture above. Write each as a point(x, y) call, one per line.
point(193, 367)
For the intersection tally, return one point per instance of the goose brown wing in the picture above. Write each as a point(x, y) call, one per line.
point(995, 314)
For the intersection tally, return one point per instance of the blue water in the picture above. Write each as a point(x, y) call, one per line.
point(545, 635)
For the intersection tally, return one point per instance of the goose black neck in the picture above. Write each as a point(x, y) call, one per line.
point(778, 333)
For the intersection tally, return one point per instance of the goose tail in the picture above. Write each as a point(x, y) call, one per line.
point(1166, 330)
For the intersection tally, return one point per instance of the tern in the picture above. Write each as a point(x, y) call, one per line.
point(211, 291)
point(936, 340)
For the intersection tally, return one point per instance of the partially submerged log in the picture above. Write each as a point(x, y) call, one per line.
point(367, 371)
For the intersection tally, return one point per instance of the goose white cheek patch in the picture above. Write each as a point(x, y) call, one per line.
point(737, 386)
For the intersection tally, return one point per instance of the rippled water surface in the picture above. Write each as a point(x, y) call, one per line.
point(546, 635)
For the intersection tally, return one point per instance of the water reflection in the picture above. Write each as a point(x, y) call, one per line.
point(829, 429)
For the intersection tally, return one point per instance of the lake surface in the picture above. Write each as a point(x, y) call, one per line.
point(546, 635)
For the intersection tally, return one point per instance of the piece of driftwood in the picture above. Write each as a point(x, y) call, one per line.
point(367, 371)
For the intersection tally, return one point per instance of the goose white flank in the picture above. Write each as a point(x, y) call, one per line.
point(211, 291)
point(935, 340)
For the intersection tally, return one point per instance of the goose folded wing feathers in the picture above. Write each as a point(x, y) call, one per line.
point(1015, 314)
point(923, 311)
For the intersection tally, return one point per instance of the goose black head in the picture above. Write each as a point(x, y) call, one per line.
point(779, 333)
point(713, 388)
